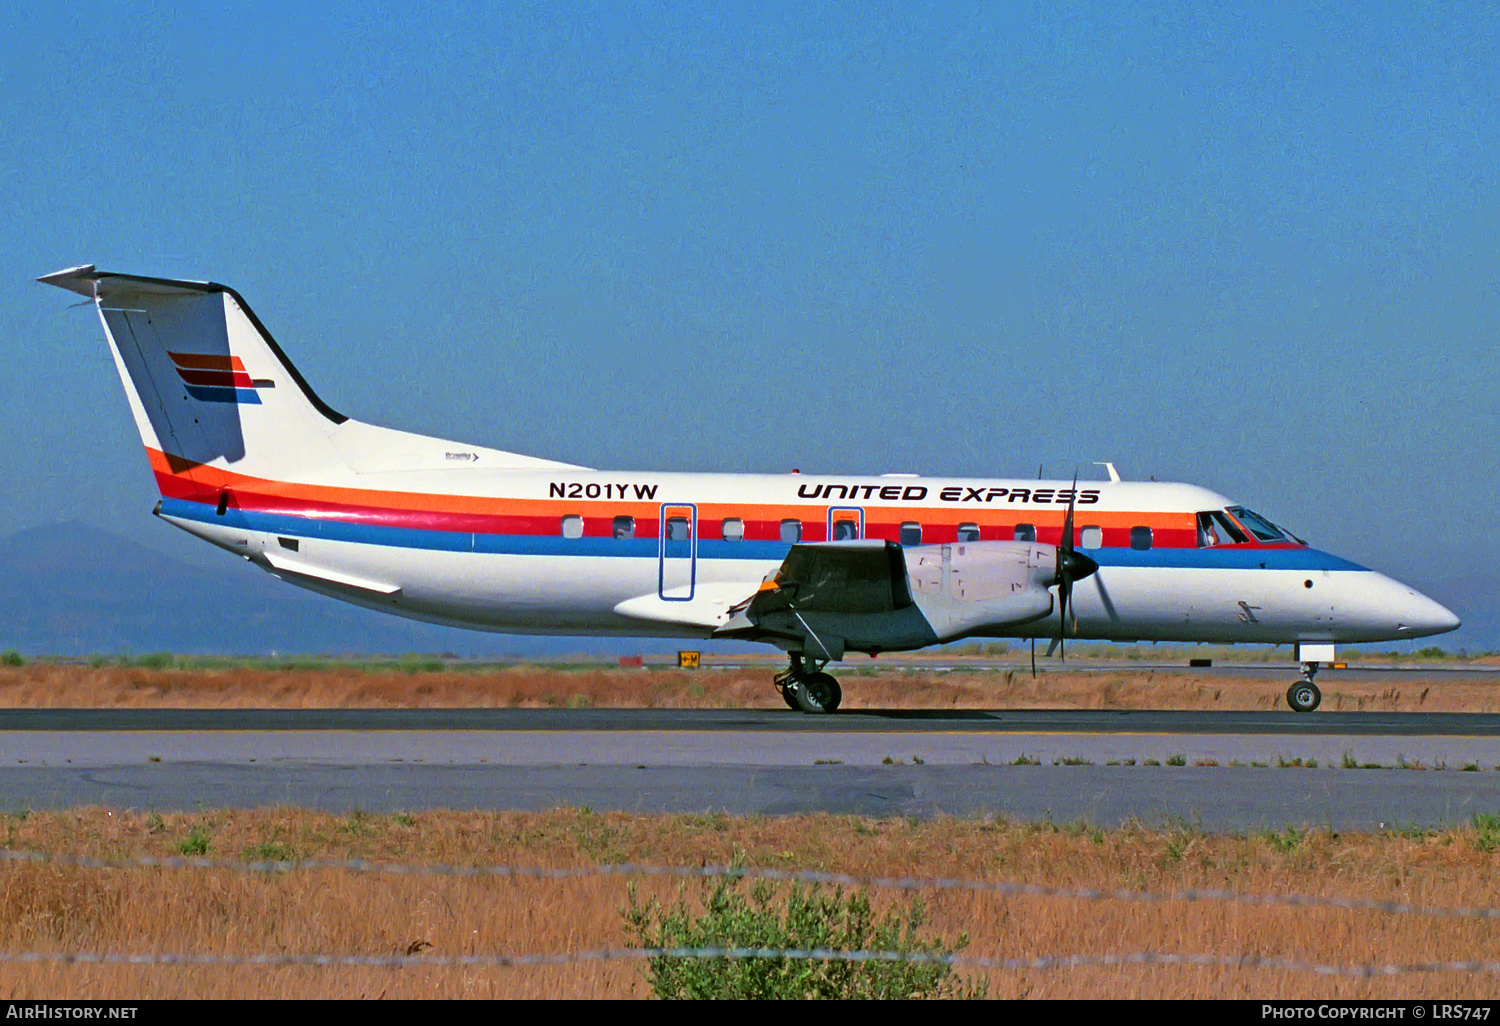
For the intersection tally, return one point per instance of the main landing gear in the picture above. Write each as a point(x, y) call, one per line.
point(805, 687)
point(1304, 695)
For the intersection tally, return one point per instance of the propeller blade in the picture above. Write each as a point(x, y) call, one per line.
point(1064, 590)
point(1072, 565)
point(1033, 657)
point(1066, 563)
point(1067, 534)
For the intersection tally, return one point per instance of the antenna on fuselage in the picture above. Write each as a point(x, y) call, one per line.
point(1114, 475)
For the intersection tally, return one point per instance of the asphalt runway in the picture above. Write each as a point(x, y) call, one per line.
point(1217, 771)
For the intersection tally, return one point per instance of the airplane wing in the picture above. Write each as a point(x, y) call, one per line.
point(706, 607)
point(869, 596)
point(829, 594)
point(836, 577)
point(841, 577)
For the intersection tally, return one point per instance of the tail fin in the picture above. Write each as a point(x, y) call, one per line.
point(208, 385)
point(205, 380)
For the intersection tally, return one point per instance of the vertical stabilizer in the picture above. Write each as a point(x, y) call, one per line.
point(209, 387)
point(206, 383)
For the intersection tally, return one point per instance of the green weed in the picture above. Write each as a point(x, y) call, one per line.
point(270, 851)
point(802, 919)
point(1486, 831)
point(1289, 840)
point(196, 843)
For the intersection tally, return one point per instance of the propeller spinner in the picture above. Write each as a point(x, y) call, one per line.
point(1072, 565)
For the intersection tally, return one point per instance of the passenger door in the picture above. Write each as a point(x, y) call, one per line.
point(677, 551)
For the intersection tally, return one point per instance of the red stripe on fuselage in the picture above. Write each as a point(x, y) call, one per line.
point(506, 522)
point(180, 479)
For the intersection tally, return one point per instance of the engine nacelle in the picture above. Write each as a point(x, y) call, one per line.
point(973, 587)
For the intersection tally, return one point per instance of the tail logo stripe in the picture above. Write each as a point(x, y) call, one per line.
point(217, 378)
point(207, 361)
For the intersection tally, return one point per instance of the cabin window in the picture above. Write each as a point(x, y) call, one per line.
point(572, 527)
point(734, 529)
point(1091, 538)
point(677, 529)
point(845, 530)
point(1140, 538)
point(791, 531)
point(1026, 532)
point(624, 527)
point(968, 532)
point(911, 533)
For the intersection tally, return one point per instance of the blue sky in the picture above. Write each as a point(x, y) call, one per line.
point(1253, 249)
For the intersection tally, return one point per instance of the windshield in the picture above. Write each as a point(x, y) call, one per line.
point(1259, 526)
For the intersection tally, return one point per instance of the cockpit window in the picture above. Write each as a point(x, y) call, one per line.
point(1289, 534)
point(1258, 525)
point(1214, 528)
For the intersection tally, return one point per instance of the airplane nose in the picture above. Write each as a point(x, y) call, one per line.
point(1420, 615)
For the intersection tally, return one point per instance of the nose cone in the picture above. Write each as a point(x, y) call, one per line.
point(1419, 615)
point(1373, 607)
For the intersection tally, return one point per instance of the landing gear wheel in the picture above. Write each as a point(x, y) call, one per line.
point(818, 693)
point(788, 692)
point(1304, 696)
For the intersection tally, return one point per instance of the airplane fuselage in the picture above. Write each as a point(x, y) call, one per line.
point(591, 552)
point(247, 456)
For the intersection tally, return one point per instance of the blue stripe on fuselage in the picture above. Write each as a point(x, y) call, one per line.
point(1229, 557)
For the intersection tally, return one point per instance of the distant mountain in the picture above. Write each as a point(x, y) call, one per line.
point(72, 589)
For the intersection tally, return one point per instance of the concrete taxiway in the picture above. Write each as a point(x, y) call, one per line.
point(1223, 771)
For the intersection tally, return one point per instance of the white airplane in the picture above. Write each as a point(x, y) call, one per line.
point(248, 457)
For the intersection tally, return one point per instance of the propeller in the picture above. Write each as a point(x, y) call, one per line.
point(1071, 566)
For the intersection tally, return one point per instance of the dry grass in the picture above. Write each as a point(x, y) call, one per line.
point(58, 685)
point(59, 908)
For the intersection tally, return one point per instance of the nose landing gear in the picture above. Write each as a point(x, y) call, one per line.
point(1304, 695)
point(805, 687)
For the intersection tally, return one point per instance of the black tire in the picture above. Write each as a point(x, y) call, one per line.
point(1304, 696)
point(819, 693)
